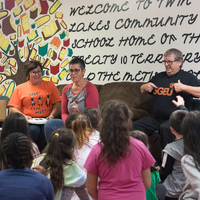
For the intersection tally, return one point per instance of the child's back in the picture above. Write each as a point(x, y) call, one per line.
point(191, 160)
point(171, 172)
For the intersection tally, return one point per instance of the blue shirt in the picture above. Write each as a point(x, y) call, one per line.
point(24, 184)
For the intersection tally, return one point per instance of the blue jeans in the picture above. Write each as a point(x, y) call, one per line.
point(37, 135)
point(50, 126)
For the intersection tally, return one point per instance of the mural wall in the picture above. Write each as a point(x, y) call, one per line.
point(119, 41)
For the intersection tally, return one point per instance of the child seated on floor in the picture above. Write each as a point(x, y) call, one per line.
point(190, 162)
point(171, 172)
point(151, 193)
point(65, 175)
point(16, 122)
point(18, 181)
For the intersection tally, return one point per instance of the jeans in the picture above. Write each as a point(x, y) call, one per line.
point(50, 126)
point(37, 135)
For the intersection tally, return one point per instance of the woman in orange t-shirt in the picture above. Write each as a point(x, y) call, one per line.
point(36, 99)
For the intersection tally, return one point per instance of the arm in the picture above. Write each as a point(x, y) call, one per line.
point(64, 103)
point(91, 184)
point(13, 110)
point(191, 173)
point(92, 99)
point(146, 176)
point(179, 87)
point(148, 87)
point(167, 166)
point(179, 103)
point(55, 111)
point(15, 103)
point(40, 170)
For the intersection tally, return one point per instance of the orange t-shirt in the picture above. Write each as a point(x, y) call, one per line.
point(35, 101)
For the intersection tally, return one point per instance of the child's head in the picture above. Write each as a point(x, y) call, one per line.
point(80, 128)
point(176, 119)
point(71, 117)
point(140, 136)
point(94, 115)
point(14, 122)
point(62, 142)
point(16, 150)
point(191, 134)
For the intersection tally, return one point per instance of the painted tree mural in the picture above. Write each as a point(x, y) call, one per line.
point(32, 30)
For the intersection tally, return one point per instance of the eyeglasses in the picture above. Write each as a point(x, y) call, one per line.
point(76, 71)
point(169, 62)
point(34, 73)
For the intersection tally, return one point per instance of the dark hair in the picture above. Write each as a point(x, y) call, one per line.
point(94, 115)
point(191, 136)
point(71, 117)
point(80, 128)
point(16, 150)
point(139, 135)
point(60, 150)
point(177, 54)
point(14, 122)
point(77, 60)
point(30, 65)
point(114, 131)
point(176, 119)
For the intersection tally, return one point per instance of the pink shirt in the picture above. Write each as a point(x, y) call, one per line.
point(124, 179)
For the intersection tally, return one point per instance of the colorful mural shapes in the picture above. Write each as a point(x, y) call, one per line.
point(54, 68)
point(44, 7)
point(4, 44)
point(62, 75)
point(54, 80)
point(42, 20)
point(17, 11)
point(55, 7)
point(33, 13)
point(2, 67)
point(62, 53)
point(59, 15)
point(28, 4)
point(55, 42)
point(25, 23)
point(50, 30)
point(3, 13)
point(10, 89)
point(42, 49)
point(9, 4)
point(7, 27)
point(37, 23)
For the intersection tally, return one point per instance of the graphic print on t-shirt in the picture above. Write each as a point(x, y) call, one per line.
point(74, 103)
point(168, 91)
point(39, 103)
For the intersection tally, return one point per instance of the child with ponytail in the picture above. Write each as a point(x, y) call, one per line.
point(65, 175)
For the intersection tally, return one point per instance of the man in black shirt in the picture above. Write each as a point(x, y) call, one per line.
point(161, 86)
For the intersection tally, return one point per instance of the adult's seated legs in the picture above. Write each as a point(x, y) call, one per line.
point(41, 140)
point(50, 126)
point(147, 124)
point(34, 131)
point(37, 133)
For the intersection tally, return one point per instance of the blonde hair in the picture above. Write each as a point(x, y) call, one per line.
point(80, 128)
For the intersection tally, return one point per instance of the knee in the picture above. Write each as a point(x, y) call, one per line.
point(50, 126)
